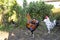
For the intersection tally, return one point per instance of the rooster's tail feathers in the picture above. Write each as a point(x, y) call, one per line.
point(28, 17)
point(54, 22)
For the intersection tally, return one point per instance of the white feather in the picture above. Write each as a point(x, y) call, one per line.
point(50, 25)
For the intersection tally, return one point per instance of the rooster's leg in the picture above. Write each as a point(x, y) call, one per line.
point(27, 32)
point(48, 30)
point(32, 34)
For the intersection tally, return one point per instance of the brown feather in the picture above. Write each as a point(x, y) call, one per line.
point(31, 23)
point(28, 17)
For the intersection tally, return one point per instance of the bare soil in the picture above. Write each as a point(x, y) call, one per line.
point(24, 34)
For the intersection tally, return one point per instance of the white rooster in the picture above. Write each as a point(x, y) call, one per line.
point(50, 25)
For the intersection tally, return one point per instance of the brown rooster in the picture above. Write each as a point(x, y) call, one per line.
point(32, 24)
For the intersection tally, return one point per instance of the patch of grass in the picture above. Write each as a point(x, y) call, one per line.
point(8, 28)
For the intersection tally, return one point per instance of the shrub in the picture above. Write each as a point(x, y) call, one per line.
point(39, 9)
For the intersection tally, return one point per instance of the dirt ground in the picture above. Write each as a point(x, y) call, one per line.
point(24, 34)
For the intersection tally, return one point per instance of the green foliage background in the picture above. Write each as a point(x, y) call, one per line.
point(37, 10)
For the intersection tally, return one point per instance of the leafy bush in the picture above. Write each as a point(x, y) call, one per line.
point(39, 9)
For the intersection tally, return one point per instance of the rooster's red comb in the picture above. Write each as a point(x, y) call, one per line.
point(46, 17)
